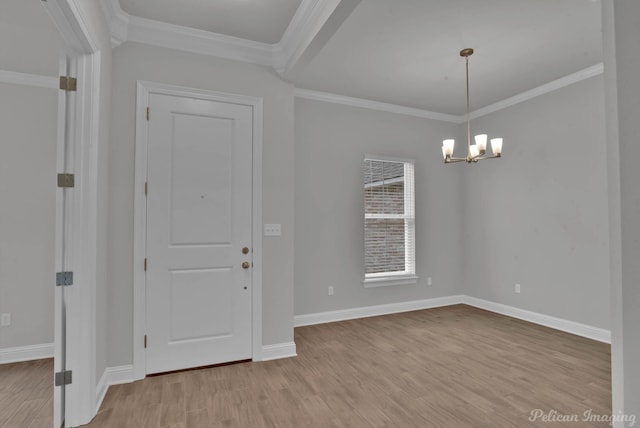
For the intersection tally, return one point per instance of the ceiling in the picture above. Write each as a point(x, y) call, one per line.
point(256, 20)
point(407, 52)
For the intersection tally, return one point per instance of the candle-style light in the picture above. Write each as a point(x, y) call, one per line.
point(477, 151)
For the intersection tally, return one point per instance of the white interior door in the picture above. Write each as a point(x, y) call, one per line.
point(64, 163)
point(199, 213)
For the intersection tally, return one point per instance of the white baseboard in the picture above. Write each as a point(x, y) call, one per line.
point(279, 350)
point(26, 353)
point(595, 333)
point(112, 376)
point(372, 311)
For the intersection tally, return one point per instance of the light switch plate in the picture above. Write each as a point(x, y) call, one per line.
point(272, 230)
point(5, 319)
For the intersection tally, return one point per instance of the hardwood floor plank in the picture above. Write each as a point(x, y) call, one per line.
point(26, 394)
point(447, 367)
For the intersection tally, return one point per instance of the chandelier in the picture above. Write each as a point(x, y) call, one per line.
point(477, 151)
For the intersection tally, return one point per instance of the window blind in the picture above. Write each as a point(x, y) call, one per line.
point(389, 224)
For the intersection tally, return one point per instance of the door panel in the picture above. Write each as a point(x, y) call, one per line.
point(63, 228)
point(198, 220)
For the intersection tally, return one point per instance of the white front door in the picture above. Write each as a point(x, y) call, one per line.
point(199, 212)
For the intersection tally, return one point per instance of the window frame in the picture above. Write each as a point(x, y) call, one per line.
point(408, 276)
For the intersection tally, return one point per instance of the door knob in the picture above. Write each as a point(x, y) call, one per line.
point(245, 265)
point(245, 250)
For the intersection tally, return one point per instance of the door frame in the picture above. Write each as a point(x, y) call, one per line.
point(78, 210)
point(144, 90)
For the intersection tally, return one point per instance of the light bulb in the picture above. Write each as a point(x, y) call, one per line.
point(481, 142)
point(447, 147)
point(496, 145)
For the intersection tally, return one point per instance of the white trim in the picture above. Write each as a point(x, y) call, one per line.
point(144, 89)
point(372, 311)
point(305, 25)
point(198, 41)
point(492, 108)
point(278, 351)
point(308, 20)
point(18, 78)
point(59, 237)
point(75, 32)
point(120, 374)
point(82, 259)
point(579, 329)
point(112, 376)
point(374, 105)
point(26, 353)
point(124, 27)
point(117, 20)
point(80, 216)
point(554, 85)
point(388, 280)
point(101, 389)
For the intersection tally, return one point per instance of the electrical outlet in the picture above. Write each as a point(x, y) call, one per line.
point(272, 230)
point(517, 288)
point(5, 319)
point(429, 281)
point(330, 290)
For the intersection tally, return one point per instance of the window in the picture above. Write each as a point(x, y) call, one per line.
point(389, 222)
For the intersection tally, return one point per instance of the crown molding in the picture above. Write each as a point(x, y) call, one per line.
point(307, 22)
point(117, 20)
point(554, 85)
point(198, 41)
point(576, 77)
point(282, 56)
point(374, 105)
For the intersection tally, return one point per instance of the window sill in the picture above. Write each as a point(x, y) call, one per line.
point(384, 281)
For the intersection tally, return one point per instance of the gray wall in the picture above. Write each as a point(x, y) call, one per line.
point(27, 175)
point(541, 210)
point(538, 216)
point(132, 62)
point(331, 141)
point(29, 41)
point(27, 192)
point(621, 29)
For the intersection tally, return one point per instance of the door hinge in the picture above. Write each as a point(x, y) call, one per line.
point(64, 278)
point(63, 378)
point(145, 264)
point(68, 83)
point(146, 187)
point(66, 180)
point(148, 112)
point(145, 341)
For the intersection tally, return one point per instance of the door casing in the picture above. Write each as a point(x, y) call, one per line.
point(144, 89)
point(80, 210)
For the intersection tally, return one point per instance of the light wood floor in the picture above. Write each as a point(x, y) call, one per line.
point(447, 367)
point(26, 394)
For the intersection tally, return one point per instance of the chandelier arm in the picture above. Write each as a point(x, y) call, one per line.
point(454, 160)
point(485, 158)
